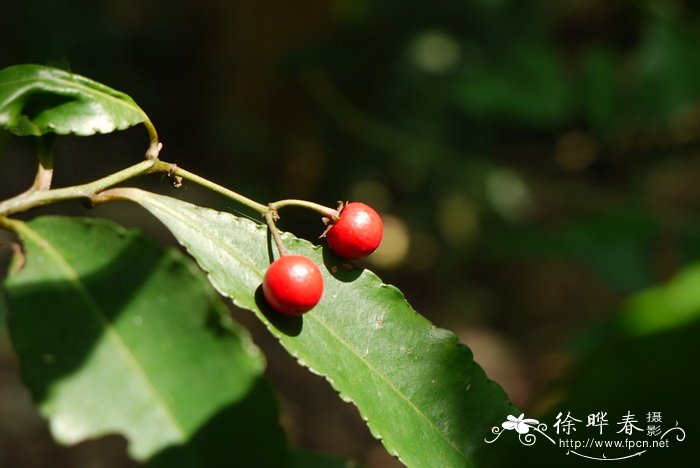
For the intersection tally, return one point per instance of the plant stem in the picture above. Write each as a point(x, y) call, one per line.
point(156, 145)
point(44, 173)
point(40, 194)
point(33, 199)
point(270, 217)
point(329, 213)
point(187, 175)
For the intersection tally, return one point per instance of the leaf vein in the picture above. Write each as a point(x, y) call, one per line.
point(102, 320)
point(197, 228)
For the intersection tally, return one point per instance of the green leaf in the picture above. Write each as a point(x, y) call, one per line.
point(416, 385)
point(663, 307)
point(641, 360)
point(116, 334)
point(35, 100)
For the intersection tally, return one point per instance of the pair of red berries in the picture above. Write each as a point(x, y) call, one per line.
point(293, 284)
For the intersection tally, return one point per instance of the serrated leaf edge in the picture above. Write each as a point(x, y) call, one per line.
point(137, 196)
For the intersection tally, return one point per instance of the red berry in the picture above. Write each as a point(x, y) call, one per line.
point(357, 233)
point(293, 285)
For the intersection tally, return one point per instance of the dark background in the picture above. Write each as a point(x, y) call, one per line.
point(536, 164)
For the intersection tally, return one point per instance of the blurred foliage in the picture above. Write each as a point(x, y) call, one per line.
point(639, 361)
point(538, 160)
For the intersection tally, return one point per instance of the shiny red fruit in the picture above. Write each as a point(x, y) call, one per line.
point(293, 285)
point(357, 233)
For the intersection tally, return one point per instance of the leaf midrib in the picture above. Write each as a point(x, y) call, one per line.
point(185, 220)
point(392, 387)
point(314, 317)
point(102, 320)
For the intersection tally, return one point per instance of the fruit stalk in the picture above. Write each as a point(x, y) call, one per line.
point(271, 217)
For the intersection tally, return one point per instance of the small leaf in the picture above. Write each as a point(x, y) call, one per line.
point(35, 100)
point(644, 359)
point(416, 385)
point(663, 307)
point(117, 335)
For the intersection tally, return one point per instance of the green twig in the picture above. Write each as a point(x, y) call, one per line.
point(187, 175)
point(93, 192)
point(34, 199)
